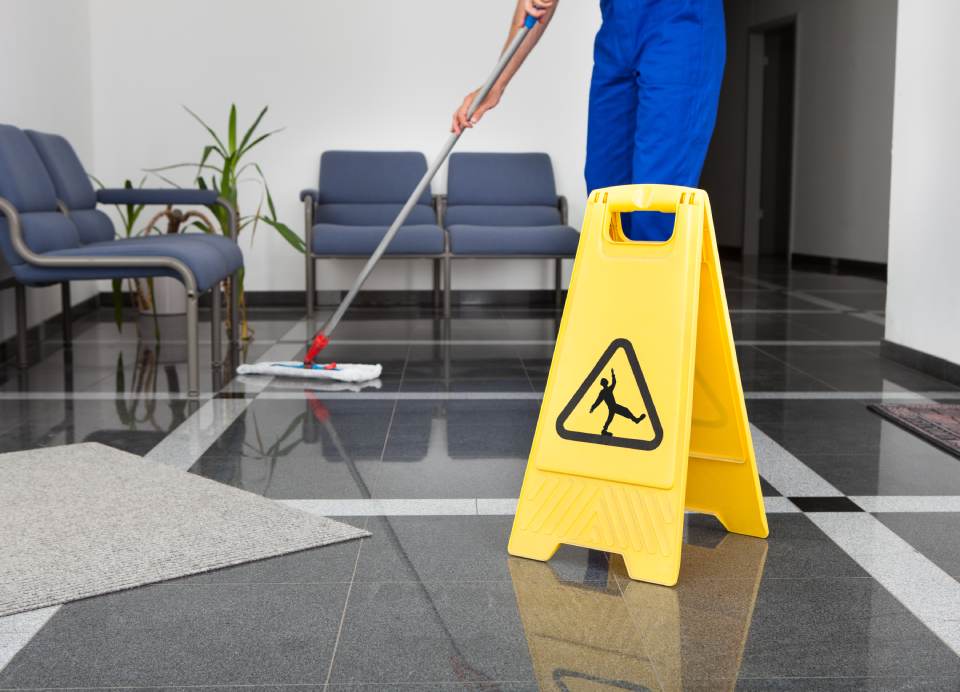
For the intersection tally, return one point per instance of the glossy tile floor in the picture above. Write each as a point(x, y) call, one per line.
point(856, 588)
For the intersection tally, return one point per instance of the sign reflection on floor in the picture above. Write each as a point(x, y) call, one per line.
point(605, 631)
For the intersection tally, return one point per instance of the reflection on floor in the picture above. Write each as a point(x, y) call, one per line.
point(856, 588)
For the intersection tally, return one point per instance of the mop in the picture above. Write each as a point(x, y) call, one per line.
point(359, 372)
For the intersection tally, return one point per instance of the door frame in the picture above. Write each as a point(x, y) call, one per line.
point(756, 63)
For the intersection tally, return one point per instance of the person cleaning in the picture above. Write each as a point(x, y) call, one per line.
point(657, 70)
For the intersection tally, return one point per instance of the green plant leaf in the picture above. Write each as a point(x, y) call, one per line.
point(287, 234)
point(258, 140)
point(209, 129)
point(252, 128)
point(203, 166)
point(232, 128)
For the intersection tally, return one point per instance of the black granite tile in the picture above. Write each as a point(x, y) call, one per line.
point(795, 548)
point(854, 369)
point(826, 504)
point(230, 634)
point(760, 372)
point(134, 425)
point(889, 470)
point(935, 534)
point(289, 449)
point(807, 627)
point(871, 299)
point(408, 632)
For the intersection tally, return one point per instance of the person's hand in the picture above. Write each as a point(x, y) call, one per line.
point(538, 8)
point(460, 120)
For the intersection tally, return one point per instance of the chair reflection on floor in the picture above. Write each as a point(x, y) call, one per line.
point(609, 632)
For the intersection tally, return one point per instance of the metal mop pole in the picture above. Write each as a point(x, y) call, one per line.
point(323, 336)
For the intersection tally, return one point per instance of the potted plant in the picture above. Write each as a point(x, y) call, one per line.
point(223, 166)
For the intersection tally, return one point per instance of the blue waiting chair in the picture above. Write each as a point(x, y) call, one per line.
point(505, 206)
point(45, 241)
point(360, 194)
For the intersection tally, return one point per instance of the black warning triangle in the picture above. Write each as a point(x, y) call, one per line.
point(590, 380)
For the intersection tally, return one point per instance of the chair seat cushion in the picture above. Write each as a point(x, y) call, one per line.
point(514, 240)
point(204, 258)
point(331, 239)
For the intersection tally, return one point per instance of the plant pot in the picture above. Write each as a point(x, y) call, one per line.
point(169, 294)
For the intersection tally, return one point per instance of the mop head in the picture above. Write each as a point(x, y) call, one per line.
point(339, 372)
point(316, 386)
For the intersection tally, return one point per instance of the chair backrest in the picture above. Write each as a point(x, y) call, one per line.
point(24, 181)
point(73, 186)
point(368, 188)
point(501, 190)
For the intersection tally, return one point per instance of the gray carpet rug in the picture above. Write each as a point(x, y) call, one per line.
point(87, 519)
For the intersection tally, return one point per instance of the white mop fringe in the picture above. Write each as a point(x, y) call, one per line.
point(343, 372)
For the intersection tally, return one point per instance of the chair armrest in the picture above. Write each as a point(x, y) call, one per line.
point(173, 195)
point(312, 193)
point(562, 206)
point(156, 196)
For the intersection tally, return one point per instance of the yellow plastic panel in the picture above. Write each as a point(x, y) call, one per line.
point(610, 455)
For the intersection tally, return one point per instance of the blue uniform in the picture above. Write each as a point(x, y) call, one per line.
point(657, 70)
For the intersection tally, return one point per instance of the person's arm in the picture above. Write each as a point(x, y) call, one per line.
point(613, 379)
point(597, 402)
point(541, 9)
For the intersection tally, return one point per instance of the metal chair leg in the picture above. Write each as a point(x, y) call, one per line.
point(193, 347)
point(20, 292)
point(436, 284)
point(235, 308)
point(558, 283)
point(216, 324)
point(446, 285)
point(66, 316)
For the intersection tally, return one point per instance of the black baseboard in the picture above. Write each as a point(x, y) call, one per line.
point(834, 265)
point(924, 362)
point(47, 328)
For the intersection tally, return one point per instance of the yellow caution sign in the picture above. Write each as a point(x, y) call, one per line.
point(643, 413)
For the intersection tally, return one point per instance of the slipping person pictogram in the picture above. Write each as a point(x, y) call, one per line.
point(613, 408)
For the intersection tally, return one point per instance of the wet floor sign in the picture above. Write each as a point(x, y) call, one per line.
point(643, 414)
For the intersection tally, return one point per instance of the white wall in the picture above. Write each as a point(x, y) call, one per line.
point(379, 74)
point(45, 82)
point(845, 66)
point(923, 294)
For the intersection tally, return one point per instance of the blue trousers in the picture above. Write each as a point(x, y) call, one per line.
point(657, 70)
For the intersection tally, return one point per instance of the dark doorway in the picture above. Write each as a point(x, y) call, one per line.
point(776, 145)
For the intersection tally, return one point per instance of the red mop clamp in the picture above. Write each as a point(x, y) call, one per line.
point(319, 343)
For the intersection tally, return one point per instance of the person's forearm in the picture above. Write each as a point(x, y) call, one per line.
point(535, 33)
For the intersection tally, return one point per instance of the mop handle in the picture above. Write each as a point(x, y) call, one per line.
point(424, 183)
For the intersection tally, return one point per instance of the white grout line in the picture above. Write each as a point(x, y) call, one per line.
point(552, 342)
point(822, 302)
point(932, 595)
point(790, 476)
point(908, 503)
point(415, 396)
point(297, 394)
point(425, 507)
point(807, 342)
point(869, 317)
point(386, 507)
point(253, 384)
point(99, 396)
point(856, 395)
